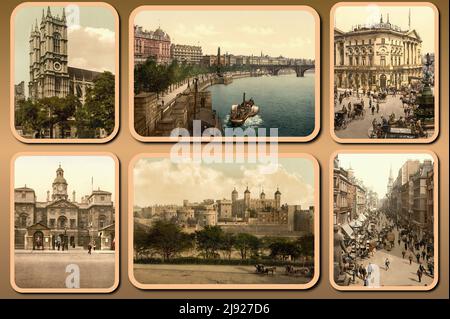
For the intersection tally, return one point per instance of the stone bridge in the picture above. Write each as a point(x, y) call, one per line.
point(299, 69)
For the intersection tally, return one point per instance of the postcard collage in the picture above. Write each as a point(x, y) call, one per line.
point(223, 89)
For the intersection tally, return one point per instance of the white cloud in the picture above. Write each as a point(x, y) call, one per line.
point(163, 182)
point(197, 31)
point(91, 48)
point(256, 30)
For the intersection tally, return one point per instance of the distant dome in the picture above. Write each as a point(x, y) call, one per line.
point(161, 34)
point(234, 191)
point(278, 192)
point(247, 191)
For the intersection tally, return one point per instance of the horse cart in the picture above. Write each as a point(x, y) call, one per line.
point(340, 120)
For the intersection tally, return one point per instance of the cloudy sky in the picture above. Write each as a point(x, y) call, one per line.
point(287, 33)
point(38, 173)
point(90, 32)
point(373, 169)
point(159, 181)
point(422, 19)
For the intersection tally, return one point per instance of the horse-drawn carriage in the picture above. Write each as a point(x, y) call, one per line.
point(358, 111)
point(381, 97)
point(261, 269)
point(291, 270)
point(340, 120)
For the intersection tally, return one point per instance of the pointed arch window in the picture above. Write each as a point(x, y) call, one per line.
point(56, 43)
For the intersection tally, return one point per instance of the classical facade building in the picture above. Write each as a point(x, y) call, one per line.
point(242, 206)
point(151, 44)
point(60, 222)
point(380, 55)
point(189, 54)
point(50, 74)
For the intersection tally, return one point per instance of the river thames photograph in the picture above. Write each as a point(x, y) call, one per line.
point(195, 71)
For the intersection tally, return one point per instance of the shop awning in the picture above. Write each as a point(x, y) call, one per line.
point(355, 224)
point(347, 229)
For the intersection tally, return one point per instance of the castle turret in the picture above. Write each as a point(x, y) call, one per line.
point(262, 195)
point(277, 199)
point(234, 195)
point(247, 198)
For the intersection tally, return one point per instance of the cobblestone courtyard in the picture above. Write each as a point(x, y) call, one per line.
point(35, 269)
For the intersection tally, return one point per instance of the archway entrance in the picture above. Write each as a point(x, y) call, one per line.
point(38, 241)
point(383, 81)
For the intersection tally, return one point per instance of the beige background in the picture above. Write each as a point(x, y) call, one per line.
point(126, 147)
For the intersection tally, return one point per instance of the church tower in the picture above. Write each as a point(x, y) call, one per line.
point(59, 185)
point(390, 181)
point(48, 57)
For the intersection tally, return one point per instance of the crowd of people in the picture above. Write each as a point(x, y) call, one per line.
point(351, 105)
point(378, 233)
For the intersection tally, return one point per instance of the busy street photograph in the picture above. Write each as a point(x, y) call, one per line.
point(384, 221)
point(385, 81)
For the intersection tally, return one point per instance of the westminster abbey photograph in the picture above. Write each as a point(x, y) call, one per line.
point(64, 72)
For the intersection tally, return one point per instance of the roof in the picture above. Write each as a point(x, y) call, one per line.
point(82, 74)
point(24, 189)
point(99, 192)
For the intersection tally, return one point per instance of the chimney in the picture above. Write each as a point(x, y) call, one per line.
point(73, 197)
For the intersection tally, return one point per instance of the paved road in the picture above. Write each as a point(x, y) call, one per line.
point(48, 270)
point(210, 274)
point(359, 128)
point(400, 272)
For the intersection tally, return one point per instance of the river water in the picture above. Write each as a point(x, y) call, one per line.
point(285, 102)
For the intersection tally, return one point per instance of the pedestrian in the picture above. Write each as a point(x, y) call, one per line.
point(403, 254)
point(423, 254)
point(398, 241)
point(373, 110)
point(89, 248)
point(387, 263)
point(410, 259)
point(419, 274)
point(369, 269)
point(378, 107)
point(418, 257)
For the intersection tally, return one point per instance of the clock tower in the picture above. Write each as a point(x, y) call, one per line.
point(59, 185)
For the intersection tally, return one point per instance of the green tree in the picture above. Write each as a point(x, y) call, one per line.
point(209, 241)
point(55, 110)
point(284, 248)
point(98, 111)
point(167, 239)
point(227, 245)
point(306, 244)
point(246, 243)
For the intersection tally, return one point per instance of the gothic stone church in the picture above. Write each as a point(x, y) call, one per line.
point(50, 74)
point(62, 222)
